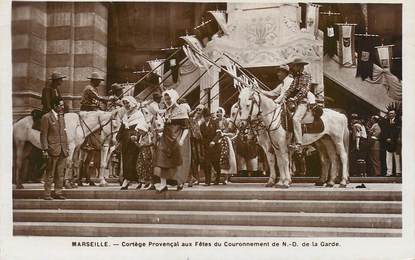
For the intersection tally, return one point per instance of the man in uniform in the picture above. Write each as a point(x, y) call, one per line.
point(391, 137)
point(297, 93)
point(55, 148)
point(51, 92)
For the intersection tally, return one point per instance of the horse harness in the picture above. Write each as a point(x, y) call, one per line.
point(101, 127)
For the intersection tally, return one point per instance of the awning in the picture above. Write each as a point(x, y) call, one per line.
point(374, 94)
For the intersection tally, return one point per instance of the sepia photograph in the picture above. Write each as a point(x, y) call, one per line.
point(207, 120)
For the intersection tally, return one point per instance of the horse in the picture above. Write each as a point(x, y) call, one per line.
point(327, 154)
point(156, 123)
point(78, 127)
point(252, 103)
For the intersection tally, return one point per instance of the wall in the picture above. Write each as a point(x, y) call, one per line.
point(70, 38)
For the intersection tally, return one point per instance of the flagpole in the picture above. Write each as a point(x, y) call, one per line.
point(197, 79)
point(216, 65)
point(204, 95)
point(164, 79)
point(143, 77)
point(250, 73)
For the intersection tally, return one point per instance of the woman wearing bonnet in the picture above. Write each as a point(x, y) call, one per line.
point(173, 154)
point(132, 119)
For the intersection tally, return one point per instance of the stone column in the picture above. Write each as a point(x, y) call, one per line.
point(29, 22)
point(70, 38)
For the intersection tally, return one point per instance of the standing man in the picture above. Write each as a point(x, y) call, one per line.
point(55, 148)
point(297, 93)
point(391, 133)
point(211, 151)
point(51, 92)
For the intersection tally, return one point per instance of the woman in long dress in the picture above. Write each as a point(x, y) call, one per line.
point(173, 155)
point(129, 150)
point(227, 152)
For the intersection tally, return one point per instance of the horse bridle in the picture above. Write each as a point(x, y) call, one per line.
point(101, 127)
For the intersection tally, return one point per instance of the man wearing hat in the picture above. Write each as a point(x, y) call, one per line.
point(297, 93)
point(51, 92)
point(279, 91)
point(116, 92)
point(90, 97)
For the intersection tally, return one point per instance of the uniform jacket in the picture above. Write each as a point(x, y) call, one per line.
point(53, 136)
point(391, 130)
point(49, 94)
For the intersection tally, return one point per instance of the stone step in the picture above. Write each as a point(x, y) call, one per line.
point(344, 220)
point(175, 230)
point(316, 206)
point(238, 179)
point(227, 193)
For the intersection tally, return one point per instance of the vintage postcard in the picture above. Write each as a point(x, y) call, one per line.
point(207, 130)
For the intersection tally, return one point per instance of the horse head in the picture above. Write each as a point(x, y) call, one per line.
point(248, 105)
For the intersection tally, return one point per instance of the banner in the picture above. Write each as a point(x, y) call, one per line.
point(385, 55)
point(312, 18)
point(365, 57)
point(220, 17)
point(160, 70)
point(346, 44)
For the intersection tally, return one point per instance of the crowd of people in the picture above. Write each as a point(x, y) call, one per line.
point(376, 145)
point(193, 140)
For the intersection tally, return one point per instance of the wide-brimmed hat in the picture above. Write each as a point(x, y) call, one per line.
point(56, 75)
point(283, 67)
point(95, 75)
point(116, 86)
point(298, 61)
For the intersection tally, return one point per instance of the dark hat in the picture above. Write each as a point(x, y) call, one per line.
point(156, 95)
point(298, 61)
point(116, 86)
point(56, 75)
point(95, 75)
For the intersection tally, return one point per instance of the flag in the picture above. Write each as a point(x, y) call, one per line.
point(160, 70)
point(365, 57)
point(312, 18)
point(346, 42)
point(385, 55)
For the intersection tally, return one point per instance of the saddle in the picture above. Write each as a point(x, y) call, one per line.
point(311, 123)
point(36, 116)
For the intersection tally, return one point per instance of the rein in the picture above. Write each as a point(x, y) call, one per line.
point(101, 127)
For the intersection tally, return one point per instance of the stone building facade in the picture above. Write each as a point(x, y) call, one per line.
point(70, 38)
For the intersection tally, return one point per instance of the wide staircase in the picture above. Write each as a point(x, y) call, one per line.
point(236, 209)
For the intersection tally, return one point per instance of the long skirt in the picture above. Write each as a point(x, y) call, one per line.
point(231, 156)
point(173, 159)
point(129, 151)
point(144, 165)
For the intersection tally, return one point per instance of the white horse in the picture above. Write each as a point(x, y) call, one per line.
point(78, 127)
point(327, 153)
point(254, 104)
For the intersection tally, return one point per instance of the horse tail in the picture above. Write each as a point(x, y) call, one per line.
point(346, 136)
